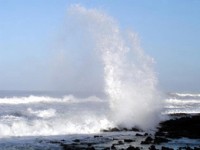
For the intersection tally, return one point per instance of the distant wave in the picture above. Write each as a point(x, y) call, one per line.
point(46, 99)
point(185, 95)
point(180, 101)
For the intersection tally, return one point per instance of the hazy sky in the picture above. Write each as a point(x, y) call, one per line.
point(169, 31)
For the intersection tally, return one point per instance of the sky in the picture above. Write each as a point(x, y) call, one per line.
point(169, 31)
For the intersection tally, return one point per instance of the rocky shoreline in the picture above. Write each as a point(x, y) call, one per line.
point(178, 126)
point(178, 132)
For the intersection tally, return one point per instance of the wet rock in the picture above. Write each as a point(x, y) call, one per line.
point(133, 148)
point(148, 140)
point(68, 147)
point(55, 142)
point(114, 130)
point(166, 148)
point(136, 129)
point(152, 147)
point(120, 142)
point(146, 134)
point(90, 148)
point(159, 140)
point(137, 134)
point(111, 130)
point(106, 148)
point(125, 129)
point(128, 140)
point(113, 147)
point(76, 140)
point(178, 127)
point(97, 136)
point(185, 148)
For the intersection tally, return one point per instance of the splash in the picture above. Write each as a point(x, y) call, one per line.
point(109, 60)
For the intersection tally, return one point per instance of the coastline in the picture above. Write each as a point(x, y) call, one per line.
point(180, 131)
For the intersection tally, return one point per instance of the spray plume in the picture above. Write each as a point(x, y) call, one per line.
point(99, 56)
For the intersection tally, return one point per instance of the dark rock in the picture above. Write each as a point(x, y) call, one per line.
point(136, 129)
point(137, 134)
point(182, 126)
point(104, 130)
point(113, 147)
point(68, 147)
point(114, 130)
point(97, 136)
point(90, 148)
point(185, 148)
point(152, 147)
point(128, 140)
point(146, 134)
point(55, 142)
point(125, 129)
point(133, 148)
point(159, 140)
point(76, 140)
point(111, 130)
point(166, 148)
point(120, 142)
point(106, 148)
point(148, 140)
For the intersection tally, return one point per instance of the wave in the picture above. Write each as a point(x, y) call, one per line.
point(40, 115)
point(45, 99)
point(185, 95)
point(180, 101)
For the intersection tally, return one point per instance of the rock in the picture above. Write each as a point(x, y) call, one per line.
point(185, 148)
point(76, 140)
point(55, 142)
point(152, 147)
point(68, 147)
point(133, 148)
point(146, 134)
point(90, 148)
point(182, 126)
point(136, 129)
point(97, 136)
point(114, 130)
point(148, 140)
point(166, 148)
point(128, 140)
point(113, 147)
point(137, 134)
point(125, 129)
point(120, 142)
point(159, 140)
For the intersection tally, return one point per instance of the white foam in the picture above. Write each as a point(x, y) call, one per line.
point(46, 99)
point(187, 95)
point(182, 101)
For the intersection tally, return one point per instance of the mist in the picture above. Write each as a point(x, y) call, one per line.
point(96, 57)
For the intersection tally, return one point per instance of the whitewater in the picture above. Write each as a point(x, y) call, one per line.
point(37, 115)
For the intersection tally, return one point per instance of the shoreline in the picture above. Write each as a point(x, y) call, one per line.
point(179, 131)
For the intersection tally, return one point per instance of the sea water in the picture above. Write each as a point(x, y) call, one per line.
point(26, 114)
point(111, 79)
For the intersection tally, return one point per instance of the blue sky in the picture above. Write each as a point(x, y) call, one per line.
point(169, 31)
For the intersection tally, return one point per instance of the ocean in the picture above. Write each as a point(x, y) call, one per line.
point(115, 83)
point(27, 117)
